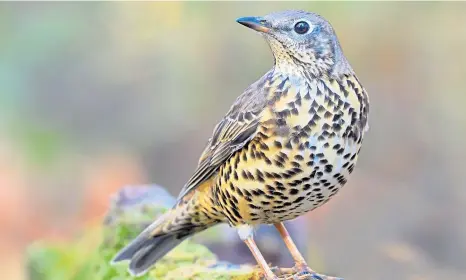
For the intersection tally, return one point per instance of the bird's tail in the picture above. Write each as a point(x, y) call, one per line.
point(159, 238)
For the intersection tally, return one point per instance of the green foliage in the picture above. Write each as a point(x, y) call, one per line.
point(60, 261)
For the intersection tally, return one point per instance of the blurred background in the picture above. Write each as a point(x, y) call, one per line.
point(96, 96)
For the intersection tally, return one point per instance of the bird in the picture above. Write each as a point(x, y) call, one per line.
point(286, 146)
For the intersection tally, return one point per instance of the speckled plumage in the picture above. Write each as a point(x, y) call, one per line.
point(285, 147)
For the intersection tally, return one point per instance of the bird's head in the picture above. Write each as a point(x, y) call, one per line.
point(298, 38)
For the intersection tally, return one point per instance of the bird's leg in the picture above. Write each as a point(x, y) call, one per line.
point(260, 259)
point(246, 234)
point(301, 264)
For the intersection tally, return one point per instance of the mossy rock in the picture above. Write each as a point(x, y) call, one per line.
point(88, 257)
point(132, 209)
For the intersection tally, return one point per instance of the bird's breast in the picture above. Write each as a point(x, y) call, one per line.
point(305, 148)
point(326, 108)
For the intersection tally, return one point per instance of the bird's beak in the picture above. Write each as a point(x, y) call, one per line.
point(256, 23)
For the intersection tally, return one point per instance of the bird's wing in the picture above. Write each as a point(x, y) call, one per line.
point(234, 131)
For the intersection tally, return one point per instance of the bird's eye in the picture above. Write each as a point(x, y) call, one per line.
point(301, 27)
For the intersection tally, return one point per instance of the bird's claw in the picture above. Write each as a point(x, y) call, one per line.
point(299, 272)
point(308, 273)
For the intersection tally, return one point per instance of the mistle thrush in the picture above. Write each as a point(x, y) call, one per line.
point(285, 147)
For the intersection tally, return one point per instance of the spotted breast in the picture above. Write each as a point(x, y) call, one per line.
point(307, 144)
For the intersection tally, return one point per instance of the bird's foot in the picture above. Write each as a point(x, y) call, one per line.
point(305, 272)
point(296, 273)
point(272, 275)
